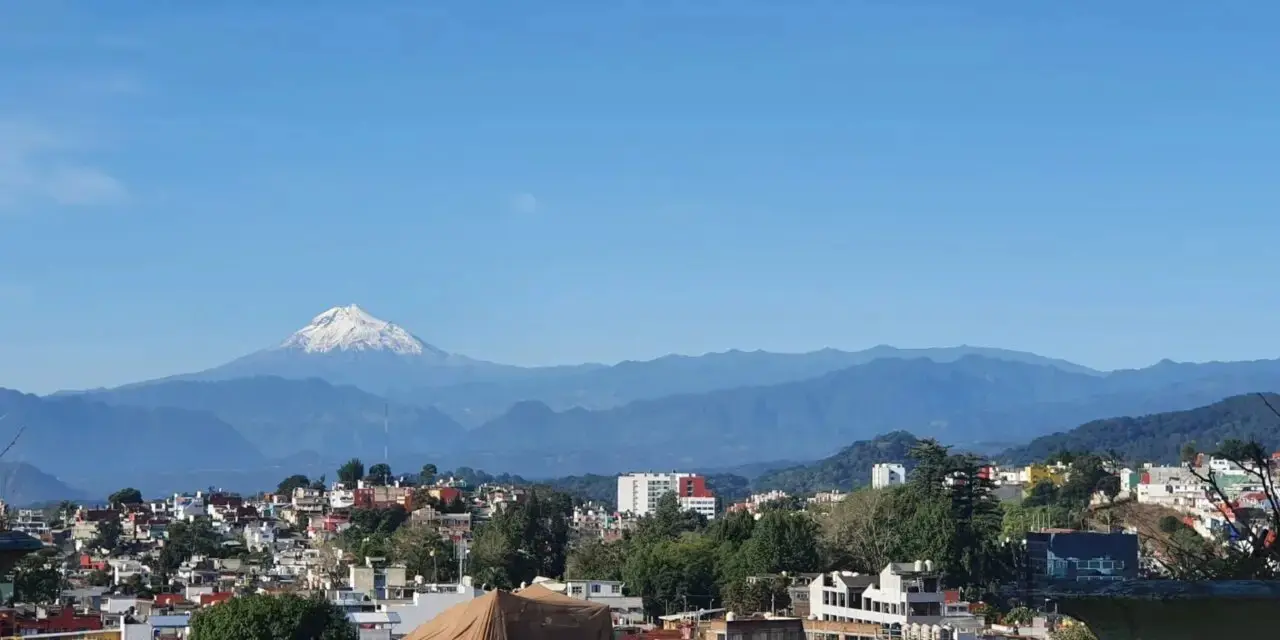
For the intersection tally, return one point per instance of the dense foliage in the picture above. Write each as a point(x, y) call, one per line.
point(675, 560)
point(524, 540)
point(262, 617)
point(1162, 437)
point(36, 579)
point(296, 481)
point(849, 468)
point(128, 495)
point(185, 539)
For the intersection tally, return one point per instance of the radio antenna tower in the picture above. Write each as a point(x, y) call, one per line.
point(386, 434)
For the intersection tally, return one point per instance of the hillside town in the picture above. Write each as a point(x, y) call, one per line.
point(393, 553)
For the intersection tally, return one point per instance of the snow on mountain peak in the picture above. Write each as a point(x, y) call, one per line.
point(351, 328)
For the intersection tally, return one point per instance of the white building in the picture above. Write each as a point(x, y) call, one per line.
point(887, 474)
point(638, 493)
point(428, 601)
point(626, 610)
point(260, 537)
point(905, 596)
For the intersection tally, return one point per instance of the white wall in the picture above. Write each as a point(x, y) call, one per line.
point(426, 606)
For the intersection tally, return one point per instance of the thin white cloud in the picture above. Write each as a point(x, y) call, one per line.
point(524, 203)
point(38, 167)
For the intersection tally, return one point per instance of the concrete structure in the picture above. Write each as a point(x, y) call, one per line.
point(378, 579)
point(428, 600)
point(626, 610)
point(735, 628)
point(638, 493)
point(904, 597)
point(887, 474)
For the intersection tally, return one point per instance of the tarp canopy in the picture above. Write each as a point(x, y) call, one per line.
point(535, 613)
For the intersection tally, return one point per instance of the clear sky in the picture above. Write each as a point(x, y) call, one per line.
point(571, 180)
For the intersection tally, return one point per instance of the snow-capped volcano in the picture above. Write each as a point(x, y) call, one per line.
point(348, 345)
point(351, 328)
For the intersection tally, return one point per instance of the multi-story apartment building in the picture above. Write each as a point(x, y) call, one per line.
point(904, 595)
point(30, 522)
point(887, 474)
point(638, 493)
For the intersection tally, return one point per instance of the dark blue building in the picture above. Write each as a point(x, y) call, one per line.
point(1057, 557)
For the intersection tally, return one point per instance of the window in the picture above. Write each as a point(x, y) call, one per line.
point(615, 588)
point(595, 588)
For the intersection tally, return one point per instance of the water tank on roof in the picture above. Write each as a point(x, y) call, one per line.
point(919, 566)
point(730, 616)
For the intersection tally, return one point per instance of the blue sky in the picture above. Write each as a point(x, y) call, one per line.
point(562, 181)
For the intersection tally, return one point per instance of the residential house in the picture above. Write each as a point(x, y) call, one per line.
point(627, 610)
point(379, 579)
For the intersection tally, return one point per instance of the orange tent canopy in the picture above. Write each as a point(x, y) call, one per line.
point(535, 613)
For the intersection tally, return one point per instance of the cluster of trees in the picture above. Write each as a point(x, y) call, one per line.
point(674, 559)
point(524, 540)
point(36, 578)
point(677, 561)
point(262, 617)
point(1048, 504)
point(1160, 437)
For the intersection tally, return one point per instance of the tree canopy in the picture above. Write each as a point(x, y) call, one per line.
point(128, 495)
point(296, 481)
point(263, 617)
point(351, 472)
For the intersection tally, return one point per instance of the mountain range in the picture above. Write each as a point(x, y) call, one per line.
point(349, 384)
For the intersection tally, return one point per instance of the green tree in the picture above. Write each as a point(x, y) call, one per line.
point(596, 560)
point(1188, 453)
point(428, 473)
point(750, 596)
point(1110, 487)
point(98, 578)
point(783, 541)
point(1042, 493)
point(36, 580)
point(262, 617)
point(185, 539)
point(296, 481)
point(526, 540)
point(424, 553)
point(379, 474)
point(351, 472)
point(735, 527)
point(1076, 631)
point(861, 531)
point(366, 522)
point(674, 575)
point(1020, 616)
point(107, 535)
point(136, 585)
point(128, 495)
point(66, 512)
point(668, 520)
